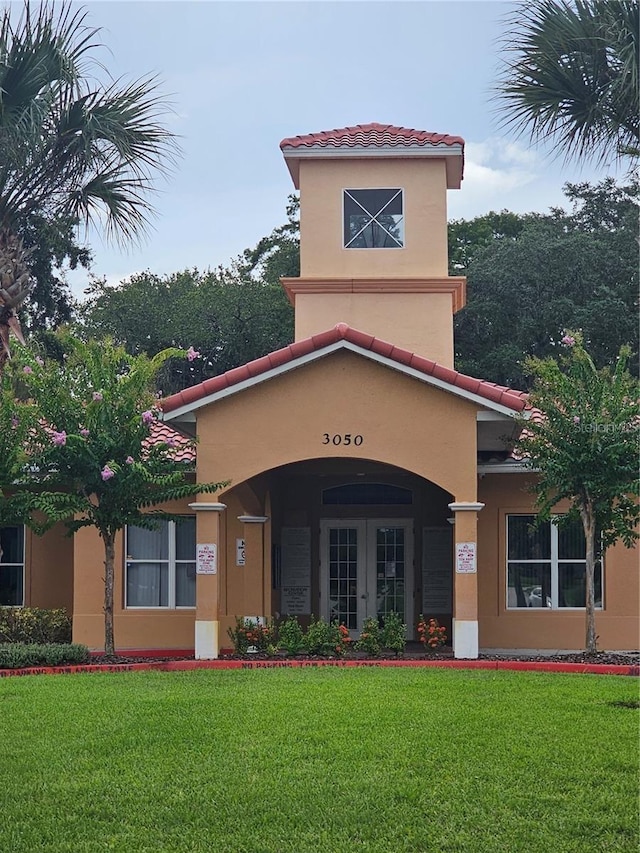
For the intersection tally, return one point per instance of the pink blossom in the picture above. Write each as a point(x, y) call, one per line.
point(129, 460)
point(171, 442)
point(147, 417)
point(59, 438)
point(27, 369)
point(192, 354)
point(107, 473)
point(97, 396)
point(40, 361)
point(84, 431)
point(14, 421)
point(576, 419)
point(568, 341)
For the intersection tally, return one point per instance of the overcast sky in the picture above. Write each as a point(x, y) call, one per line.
point(244, 75)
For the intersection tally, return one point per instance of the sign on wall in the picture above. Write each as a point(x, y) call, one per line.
point(295, 593)
point(207, 559)
point(240, 552)
point(466, 558)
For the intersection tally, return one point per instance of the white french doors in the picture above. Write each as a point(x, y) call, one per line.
point(366, 569)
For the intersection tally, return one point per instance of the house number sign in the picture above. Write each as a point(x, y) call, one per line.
point(342, 438)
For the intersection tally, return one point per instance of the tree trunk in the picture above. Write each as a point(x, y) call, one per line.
point(588, 523)
point(109, 561)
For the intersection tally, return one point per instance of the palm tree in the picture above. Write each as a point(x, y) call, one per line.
point(70, 147)
point(571, 76)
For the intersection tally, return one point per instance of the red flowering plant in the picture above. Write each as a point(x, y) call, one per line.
point(431, 634)
point(326, 639)
point(251, 635)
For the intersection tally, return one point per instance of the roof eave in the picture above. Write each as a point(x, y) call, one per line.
point(453, 154)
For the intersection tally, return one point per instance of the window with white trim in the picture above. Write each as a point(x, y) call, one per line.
point(160, 569)
point(373, 219)
point(546, 565)
point(12, 566)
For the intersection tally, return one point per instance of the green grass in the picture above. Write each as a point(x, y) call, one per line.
point(327, 760)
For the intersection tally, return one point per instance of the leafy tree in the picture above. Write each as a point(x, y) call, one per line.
point(571, 75)
point(466, 237)
point(94, 460)
point(561, 270)
point(71, 149)
point(585, 448)
point(232, 315)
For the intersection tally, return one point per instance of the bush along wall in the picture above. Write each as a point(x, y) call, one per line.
point(34, 625)
point(321, 639)
point(26, 655)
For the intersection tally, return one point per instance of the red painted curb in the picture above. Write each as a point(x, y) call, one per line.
point(190, 665)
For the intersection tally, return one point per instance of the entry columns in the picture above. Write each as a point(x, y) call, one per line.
point(209, 562)
point(255, 580)
point(465, 580)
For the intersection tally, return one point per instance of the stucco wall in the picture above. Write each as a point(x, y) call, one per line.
point(402, 421)
point(617, 625)
point(49, 569)
point(152, 628)
point(425, 213)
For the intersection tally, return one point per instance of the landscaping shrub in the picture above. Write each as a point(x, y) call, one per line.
point(24, 655)
point(431, 634)
point(249, 633)
point(291, 637)
point(326, 638)
point(394, 634)
point(369, 640)
point(34, 625)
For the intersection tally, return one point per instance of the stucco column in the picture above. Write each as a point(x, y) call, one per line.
point(210, 562)
point(465, 580)
point(255, 603)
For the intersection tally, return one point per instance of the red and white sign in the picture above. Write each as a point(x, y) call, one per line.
point(207, 559)
point(466, 558)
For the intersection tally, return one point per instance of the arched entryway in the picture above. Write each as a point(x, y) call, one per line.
point(352, 538)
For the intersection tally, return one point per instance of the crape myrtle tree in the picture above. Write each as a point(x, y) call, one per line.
point(583, 445)
point(570, 76)
point(96, 410)
point(73, 150)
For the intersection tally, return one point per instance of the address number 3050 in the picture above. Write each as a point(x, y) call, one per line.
point(342, 438)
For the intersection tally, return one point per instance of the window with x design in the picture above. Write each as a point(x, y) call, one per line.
point(373, 219)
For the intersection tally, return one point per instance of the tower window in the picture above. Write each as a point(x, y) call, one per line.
point(373, 219)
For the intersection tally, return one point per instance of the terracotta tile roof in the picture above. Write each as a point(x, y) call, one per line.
point(161, 432)
point(367, 135)
point(507, 397)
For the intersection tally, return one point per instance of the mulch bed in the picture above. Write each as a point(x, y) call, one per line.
point(600, 658)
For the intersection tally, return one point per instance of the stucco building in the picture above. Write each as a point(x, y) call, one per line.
point(366, 475)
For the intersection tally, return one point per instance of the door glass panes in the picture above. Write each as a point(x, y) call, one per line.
point(343, 575)
point(373, 219)
point(390, 571)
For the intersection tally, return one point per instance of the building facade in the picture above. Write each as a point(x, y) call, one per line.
point(365, 474)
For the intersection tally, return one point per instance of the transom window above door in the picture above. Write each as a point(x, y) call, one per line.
point(373, 219)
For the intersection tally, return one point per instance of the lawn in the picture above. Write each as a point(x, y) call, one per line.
point(326, 761)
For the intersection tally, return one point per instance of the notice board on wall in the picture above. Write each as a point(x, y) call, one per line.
point(437, 570)
point(295, 592)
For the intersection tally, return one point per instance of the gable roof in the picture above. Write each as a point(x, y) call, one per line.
point(377, 140)
point(487, 394)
